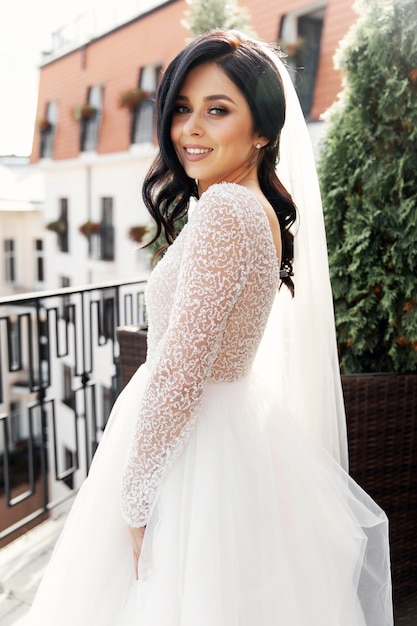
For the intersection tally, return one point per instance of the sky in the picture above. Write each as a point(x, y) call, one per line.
point(25, 31)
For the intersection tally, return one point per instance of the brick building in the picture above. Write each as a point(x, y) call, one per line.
point(94, 152)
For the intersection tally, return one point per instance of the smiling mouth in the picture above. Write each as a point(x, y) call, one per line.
point(197, 150)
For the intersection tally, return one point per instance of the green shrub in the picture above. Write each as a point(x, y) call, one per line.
point(205, 15)
point(368, 174)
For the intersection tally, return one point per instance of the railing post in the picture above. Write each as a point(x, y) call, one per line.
point(44, 448)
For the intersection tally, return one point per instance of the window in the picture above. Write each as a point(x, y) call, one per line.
point(66, 300)
point(143, 118)
point(90, 125)
point(39, 261)
point(305, 28)
point(107, 230)
point(62, 234)
point(67, 396)
point(47, 130)
point(10, 260)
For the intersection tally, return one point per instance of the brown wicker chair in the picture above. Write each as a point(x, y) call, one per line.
point(132, 343)
point(381, 414)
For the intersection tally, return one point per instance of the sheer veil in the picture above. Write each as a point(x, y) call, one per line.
point(298, 353)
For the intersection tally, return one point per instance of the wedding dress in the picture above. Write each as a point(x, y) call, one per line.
point(250, 520)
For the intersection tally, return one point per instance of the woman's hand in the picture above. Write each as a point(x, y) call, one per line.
point(137, 535)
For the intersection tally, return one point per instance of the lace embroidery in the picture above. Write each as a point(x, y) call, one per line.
point(208, 302)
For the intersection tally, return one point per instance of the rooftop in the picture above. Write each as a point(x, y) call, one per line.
point(102, 18)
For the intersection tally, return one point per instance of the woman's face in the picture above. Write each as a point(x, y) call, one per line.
point(212, 129)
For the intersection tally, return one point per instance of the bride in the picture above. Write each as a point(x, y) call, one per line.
point(219, 495)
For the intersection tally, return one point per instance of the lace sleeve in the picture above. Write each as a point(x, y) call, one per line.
point(213, 271)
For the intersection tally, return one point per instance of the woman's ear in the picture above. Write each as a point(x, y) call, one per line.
point(260, 142)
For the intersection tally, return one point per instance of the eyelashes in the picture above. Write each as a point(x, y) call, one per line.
point(218, 111)
point(213, 111)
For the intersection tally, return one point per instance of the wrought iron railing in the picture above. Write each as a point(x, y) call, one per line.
point(59, 375)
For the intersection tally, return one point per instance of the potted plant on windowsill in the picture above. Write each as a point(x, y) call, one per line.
point(90, 228)
point(294, 50)
point(137, 233)
point(84, 112)
point(59, 226)
point(131, 98)
point(369, 189)
point(44, 125)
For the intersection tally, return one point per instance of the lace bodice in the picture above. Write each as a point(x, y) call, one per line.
point(208, 302)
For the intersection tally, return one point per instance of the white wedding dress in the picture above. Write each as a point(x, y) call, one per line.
point(249, 522)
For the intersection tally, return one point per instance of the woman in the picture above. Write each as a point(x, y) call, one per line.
point(238, 511)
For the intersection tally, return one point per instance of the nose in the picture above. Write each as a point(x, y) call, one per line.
point(192, 125)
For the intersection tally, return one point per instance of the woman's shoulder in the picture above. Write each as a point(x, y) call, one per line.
point(232, 198)
point(228, 192)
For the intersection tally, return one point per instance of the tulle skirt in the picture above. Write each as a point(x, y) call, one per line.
point(252, 526)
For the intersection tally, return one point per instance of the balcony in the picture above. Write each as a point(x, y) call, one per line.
point(59, 375)
point(61, 365)
point(62, 349)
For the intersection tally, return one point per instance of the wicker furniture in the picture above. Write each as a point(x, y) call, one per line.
point(132, 343)
point(381, 414)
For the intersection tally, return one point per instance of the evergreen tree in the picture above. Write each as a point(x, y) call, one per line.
point(368, 173)
point(205, 15)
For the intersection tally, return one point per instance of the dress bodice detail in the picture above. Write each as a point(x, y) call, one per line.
point(208, 301)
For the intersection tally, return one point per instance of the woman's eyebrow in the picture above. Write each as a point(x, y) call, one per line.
point(219, 96)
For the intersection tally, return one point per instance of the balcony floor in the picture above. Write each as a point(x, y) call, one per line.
point(22, 564)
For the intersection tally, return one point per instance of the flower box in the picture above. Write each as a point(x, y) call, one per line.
point(137, 233)
point(131, 98)
point(90, 228)
point(84, 112)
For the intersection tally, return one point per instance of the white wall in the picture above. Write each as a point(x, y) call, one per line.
point(84, 182)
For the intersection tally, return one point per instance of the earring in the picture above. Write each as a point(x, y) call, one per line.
point(258, 146)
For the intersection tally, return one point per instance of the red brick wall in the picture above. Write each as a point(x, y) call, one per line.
point(266, 19)
point(339, 17)
point(115, 60)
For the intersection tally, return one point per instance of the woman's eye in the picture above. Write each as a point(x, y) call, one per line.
point(217, 111)
point(181, 109)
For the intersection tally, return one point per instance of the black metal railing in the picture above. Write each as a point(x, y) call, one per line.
point(59, 375)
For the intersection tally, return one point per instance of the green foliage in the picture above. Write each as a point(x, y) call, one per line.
point(205, 15)
point(160, 245)
point(368, 173)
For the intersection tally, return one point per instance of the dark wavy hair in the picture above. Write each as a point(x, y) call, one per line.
point(167, 189)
